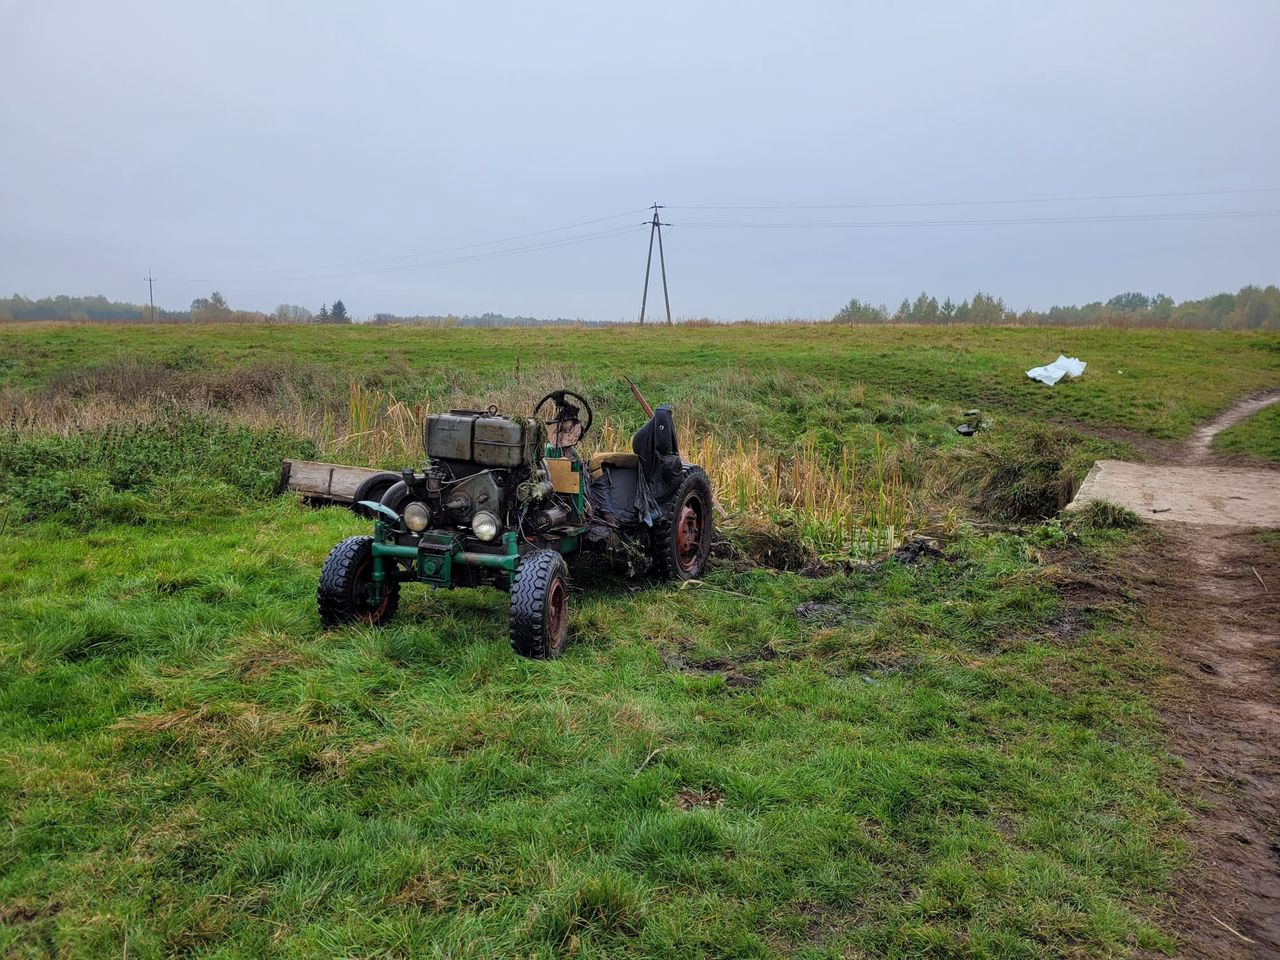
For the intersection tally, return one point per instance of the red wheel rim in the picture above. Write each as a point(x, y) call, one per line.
point(689, 526)
point(362, 590)
point(557, 609)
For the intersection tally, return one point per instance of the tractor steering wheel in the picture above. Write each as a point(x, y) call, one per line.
point(566, 428)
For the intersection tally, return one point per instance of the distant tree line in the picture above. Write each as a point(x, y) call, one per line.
point(214, 309)
point(1252, 308)
point(63, 307)
point(211, 309)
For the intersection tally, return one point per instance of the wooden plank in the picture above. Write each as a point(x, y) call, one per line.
point(315, 480)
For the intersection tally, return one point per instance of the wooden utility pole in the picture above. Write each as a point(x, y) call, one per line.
point(655, 226)
point(151, 294)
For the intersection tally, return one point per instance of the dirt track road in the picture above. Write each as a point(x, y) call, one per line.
point(1200, 447)
point(1212, 587)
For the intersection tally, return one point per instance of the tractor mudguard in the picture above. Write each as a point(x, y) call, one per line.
point(379, 508)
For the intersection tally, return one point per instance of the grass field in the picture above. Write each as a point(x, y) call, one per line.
point(953, 757)
point(1151, 381)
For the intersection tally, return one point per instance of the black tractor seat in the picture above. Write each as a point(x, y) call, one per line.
point(632, 486)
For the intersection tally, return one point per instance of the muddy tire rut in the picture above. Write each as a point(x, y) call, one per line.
point(1218, 603)
point(1211, 587)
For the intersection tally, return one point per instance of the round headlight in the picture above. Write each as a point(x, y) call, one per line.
point(484, 525)
point(417, 516)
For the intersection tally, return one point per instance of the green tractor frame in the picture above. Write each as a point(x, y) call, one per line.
point(504, 501)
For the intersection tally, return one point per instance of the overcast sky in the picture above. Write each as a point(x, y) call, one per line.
point(302, 152)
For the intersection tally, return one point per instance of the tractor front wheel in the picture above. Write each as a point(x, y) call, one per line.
point(347, 591)
point(540, 605)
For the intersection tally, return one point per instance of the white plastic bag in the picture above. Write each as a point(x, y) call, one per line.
point(1051, 373)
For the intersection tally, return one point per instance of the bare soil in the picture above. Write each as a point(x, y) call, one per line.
point(1214, 595)
point(1209, 581)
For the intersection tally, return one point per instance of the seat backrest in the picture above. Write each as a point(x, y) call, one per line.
point(659, 452)
point(656, 439)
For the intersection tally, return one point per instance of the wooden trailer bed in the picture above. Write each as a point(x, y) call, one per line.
point(323, 482)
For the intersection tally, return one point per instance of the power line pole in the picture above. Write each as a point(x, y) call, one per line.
point(655, 226)
point(662, 262)
point(151, 294)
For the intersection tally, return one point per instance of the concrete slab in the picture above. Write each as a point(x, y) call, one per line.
point(1224, 496)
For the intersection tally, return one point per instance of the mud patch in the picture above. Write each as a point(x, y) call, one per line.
point(22, 912)
point(728, 667)
point(915, 550)
point(706, 798)
point(1088, 592)
point(1071, 624)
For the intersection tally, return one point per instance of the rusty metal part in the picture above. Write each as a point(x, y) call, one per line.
point(557, 609)
point(635, 391)
point(689, 527)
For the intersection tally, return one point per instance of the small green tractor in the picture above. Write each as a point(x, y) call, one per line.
point(504, 500)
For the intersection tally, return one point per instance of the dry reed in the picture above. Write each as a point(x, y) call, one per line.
point(839, 505)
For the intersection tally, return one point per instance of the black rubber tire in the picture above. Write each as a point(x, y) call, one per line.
point(670, 561)
point(397, 497)
point(344, 580)
point(540, 605)
point(372, 488)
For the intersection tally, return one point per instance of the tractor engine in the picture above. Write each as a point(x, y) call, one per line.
point(486, 474)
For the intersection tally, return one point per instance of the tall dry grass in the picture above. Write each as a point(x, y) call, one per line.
point(372, 427)
point(838, 505)
point(377, 429)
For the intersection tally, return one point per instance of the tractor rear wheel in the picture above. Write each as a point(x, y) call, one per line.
point(345, 594)
point(397, 496)
point(540, 605)
point(372, 488)
point(682, 538)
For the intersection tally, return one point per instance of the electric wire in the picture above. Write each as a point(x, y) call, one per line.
point(978, 203)
point(402, 262)
point(547, 245)
point(989, 222)
point(494, 254)
point(465, 246)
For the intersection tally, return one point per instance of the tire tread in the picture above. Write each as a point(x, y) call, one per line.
point(333, 594)
point(530, 589)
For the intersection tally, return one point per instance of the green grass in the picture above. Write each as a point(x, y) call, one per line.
point(1156, 382)
point(194, 766)
point(1258, 436)
point(947, 762)
point(167, 470)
